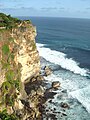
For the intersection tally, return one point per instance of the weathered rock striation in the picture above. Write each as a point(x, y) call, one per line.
point(19, 62)
point(27, 54)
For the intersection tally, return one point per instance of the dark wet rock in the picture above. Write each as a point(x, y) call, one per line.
point(49, 89)
point(34, 104)
point(64, 91)
point(32, 86)
point(40, 77)
point(47, 70)
point(54, 108)
point(55, 84)
point(47, 110)
point(64, 110)
point(51, 117)
point(50, 101)
point(51, 110)
point(64, 114)
point(49, 95)
point(41, 107)
point(64, 105)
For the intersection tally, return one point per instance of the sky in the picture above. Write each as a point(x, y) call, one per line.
point(47, 8)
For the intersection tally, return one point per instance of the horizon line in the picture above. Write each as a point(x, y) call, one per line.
point(51, 17)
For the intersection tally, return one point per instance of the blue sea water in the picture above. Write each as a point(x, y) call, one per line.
point(68, 35)
point(71, 36)
point(65, 44)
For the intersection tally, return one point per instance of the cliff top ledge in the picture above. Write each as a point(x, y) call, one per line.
point(8, 22)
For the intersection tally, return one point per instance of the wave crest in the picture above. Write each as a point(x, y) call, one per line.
point(61, 59)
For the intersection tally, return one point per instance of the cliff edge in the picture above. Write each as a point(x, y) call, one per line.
point(19, 62)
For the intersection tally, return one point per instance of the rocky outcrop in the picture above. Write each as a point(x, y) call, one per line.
point(47, 71)
point(27, 54)
point(19, 62)
point(35, 100)
point(64, 105)
point(56, 84)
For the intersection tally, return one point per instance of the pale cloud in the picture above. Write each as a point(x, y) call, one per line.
point(20, 8)
point(62, 8)
point(57, 8)
point(49, 8)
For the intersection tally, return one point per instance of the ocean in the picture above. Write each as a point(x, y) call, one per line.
point(64, 45)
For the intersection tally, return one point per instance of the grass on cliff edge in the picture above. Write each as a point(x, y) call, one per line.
point(8, 21)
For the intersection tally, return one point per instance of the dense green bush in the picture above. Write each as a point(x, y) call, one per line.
point(8, 21)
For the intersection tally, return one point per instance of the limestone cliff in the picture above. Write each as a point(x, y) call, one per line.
point(19, 61)
point(27, 54)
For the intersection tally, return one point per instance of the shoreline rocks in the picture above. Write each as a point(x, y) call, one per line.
point(47, 71)
point(34, 102)
point(64, 105)
point(56, 84)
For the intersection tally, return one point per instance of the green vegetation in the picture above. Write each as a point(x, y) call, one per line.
point(28, 21)
point(5, 49)
point(4, 116)
point(10, 39)
point(10, 88)
point(33, 45)
point(11, 83)
point(12, 76)
point(7, 21)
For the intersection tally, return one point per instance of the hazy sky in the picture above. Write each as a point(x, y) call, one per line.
point(50, 8)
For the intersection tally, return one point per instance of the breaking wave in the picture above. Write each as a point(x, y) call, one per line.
point(61, 59)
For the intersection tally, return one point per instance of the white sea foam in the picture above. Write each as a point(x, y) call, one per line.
point(40, 45)
point(77, 86)
point(61, 59)
point(77, 90)
point(83, 96)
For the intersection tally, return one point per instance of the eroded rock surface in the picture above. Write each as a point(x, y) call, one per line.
point(19, 62)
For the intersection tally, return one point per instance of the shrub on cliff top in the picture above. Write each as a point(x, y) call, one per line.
point(8, 21)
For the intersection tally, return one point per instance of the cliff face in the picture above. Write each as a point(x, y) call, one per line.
point(27, 54)
point(19, 61)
